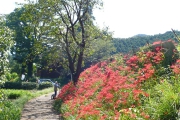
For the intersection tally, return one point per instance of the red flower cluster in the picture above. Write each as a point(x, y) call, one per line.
point(104, 90)
point(157, 42)
point(150, 57)
point(67, 93)
point(176, 67)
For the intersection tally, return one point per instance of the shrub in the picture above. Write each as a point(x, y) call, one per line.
point(169, 50)
point(14, 95)
point(164, 101)
point(44, 85)
point(11, 109)
point(1, 85)
point(12, 85)
point(8, 111)
point(29, 85)
point(32, 79)
point(20, 85)
point(13, 77)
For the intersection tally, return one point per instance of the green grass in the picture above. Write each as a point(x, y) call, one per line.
point(13, 107)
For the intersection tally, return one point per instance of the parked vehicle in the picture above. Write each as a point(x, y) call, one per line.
point(40, 81)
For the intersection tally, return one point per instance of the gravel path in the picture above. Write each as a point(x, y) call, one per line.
point(40, 108)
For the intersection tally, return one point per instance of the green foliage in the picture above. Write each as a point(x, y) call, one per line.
point(11, 109)
point(32, 79)
point(5, 43)
point(12, 85)
point(71, 42)
point(57, 105)
point(8, 110)
point(29, 85)
point(12, 77)
point(19, 93)
point(28, 46)
point(164, 101)
point(170, 52)
point(14, 95)
point(100, 49)
point(20, 85)
point(14, 66)
point(126, 45)
point(44, 85)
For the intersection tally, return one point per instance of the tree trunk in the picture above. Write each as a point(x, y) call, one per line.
point(30, 69)
point(23, 67)
point(75, 73)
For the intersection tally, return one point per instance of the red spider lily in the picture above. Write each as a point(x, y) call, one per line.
point(176, 67)
point(150, 54)
point(157, 42)
point(67, 93)
point(158, 48)
point(137, 92)
point(132, 60)
point(109, 86)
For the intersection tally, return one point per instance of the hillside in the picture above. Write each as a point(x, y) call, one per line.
point(136, 87)
point(140, 35)
point(125, 45)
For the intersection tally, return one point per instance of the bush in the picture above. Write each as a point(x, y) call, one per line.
point(1, 85)
point(26, 85)
point(13, 77)
point(14, 95)
point(20, 85)
point(44, 85)
point(9, 111)
point(32, 79)
point(164, 102)
point(29, 85)
point(169, 50)
point(12, 85)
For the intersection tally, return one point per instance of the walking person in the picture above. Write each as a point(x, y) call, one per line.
point(56, 85)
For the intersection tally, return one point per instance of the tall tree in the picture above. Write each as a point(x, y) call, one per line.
point(28, 45)
point(71, 30)
point(5, 43)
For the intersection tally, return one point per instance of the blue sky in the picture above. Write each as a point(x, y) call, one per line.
point(126, 18)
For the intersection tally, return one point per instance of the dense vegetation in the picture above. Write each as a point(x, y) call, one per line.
point(126, 87)
point(41, 49)
point(52, 47)
point(59, 40)
point(125, 45)
point(12, 101)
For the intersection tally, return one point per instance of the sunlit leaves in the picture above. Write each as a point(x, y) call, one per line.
point(6, 42)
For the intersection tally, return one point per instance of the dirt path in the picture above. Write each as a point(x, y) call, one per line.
point(40, 108)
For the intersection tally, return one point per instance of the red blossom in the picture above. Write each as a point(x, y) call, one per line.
point(110, 87)
point(157, 42)
point(158, 48)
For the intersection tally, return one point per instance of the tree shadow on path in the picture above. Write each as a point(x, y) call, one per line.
point(40, 108)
